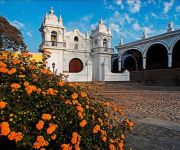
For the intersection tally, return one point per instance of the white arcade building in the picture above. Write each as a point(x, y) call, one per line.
point(82, 57)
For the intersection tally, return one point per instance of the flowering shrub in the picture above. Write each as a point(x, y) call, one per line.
point(39, 110)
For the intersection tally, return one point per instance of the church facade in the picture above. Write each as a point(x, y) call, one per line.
point(82, 57)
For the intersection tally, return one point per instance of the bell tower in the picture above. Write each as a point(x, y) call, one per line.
point(52, 33)
point(101, 50)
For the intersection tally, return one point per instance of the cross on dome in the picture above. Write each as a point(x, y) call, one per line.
point(51, 10)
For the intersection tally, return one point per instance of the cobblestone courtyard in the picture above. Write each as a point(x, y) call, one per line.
point(155, 110)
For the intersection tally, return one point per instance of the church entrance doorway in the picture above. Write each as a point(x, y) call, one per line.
point(75, 65)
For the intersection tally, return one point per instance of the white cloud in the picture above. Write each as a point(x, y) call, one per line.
point(29, 34)
point(167, 6)
point(136, 27)
point(118, 2)
point(120, 19)
point(134, 5)
point(18, 24)
point(178, 9)
point(110, 7)
point(83, 24)
point(87, 18)
point(127, 18)
point(115, 27)
point(154, 15)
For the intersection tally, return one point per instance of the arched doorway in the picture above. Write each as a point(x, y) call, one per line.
point(132, 60)
point(156, 57)
point(176, 55)
point(75, 65)
point(130, 63)
point(115, 65)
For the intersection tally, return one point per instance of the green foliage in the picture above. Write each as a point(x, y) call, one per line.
point(10, 36)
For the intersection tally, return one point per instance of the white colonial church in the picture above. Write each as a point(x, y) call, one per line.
point(82, 57)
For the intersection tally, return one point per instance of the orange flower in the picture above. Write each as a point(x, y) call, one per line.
point(26, 83)
point(2, 64)
point(2, 105)
point(70, 84)
point(3, 70)
point(121, 145)
point(79, 108)
point(4, 128)
point(29, 92)
point(18, 137)
point(30, 88)
point(51, 128)
point(74, 138)
point(53, 137)
point(51, 91)
point(3, 57)
point(12, 71)
point(38, 90)
point(74, 96)
point(131, 124)
point(83, 123)
point(44, 71)
point(32, 67)
point(80, 115)
point(16, 61)
point(103, 132)
point(104, 139)
point(26, 55)
point(96, 129)
point(12, 136)
point(106, 103)
point(61, 83)
point(46, 116)
point(66, 147)
point(40, 125)
point(112, 147)
point(15, 86)
point(83, 94)
point(40, 142)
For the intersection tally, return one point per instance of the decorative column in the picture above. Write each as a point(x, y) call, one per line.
point(144, 62)
point(169, 60)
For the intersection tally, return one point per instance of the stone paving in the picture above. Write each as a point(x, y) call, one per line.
point(159, 103)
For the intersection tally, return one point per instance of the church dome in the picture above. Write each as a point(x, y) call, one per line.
point(51, 18)
point(52, 15)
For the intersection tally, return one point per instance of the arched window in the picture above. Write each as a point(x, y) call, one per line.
point(105, 43)
point(54, 38)
point(75, 65)
point(76, 39)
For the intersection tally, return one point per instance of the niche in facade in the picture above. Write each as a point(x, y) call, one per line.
point(54, 38)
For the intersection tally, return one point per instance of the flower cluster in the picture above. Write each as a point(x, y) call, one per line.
point(40, 110)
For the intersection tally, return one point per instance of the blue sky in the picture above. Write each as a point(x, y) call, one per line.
point(127, 18)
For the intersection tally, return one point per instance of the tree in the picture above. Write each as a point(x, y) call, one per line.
point(10, 37)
